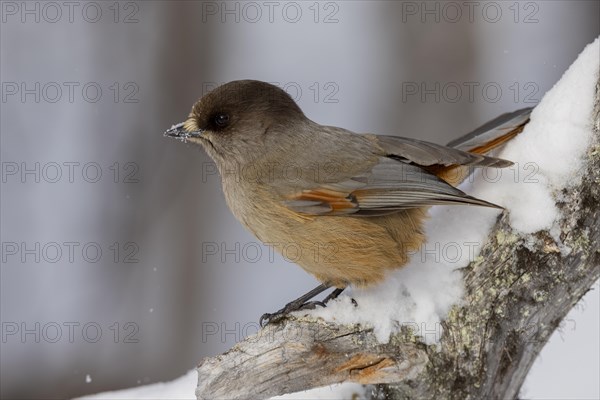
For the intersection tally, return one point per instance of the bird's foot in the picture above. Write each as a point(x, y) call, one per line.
point(300, 304)
point(290, 307)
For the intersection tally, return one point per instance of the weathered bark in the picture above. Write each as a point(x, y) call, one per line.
point(517, 292)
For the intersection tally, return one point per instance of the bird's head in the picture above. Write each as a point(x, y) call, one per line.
point(233, 122)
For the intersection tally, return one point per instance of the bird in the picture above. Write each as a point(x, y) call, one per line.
point(351, 206)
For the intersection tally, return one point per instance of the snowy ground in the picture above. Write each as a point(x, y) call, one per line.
point(547, 156)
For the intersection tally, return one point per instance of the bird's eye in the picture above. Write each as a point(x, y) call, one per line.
point(221, 120)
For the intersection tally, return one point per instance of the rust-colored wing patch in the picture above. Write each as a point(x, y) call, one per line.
point(323, 201)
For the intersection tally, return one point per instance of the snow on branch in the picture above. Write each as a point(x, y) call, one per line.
point(495, 311)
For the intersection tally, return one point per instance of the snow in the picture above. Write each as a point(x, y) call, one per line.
point(181, 388)
point(343, 391)
point(548, 156)
point(184, 388)
point(548, 153)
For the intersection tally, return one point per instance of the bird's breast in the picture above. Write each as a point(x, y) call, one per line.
point(338, 250)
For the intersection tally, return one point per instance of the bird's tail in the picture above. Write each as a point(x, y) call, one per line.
point(494, 133)
point(483, 140)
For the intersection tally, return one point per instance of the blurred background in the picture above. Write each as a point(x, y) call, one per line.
point(121, 264)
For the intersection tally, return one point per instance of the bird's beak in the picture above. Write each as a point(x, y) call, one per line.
point(179, 132)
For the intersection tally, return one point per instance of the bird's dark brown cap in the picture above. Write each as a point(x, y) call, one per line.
point(245, 97)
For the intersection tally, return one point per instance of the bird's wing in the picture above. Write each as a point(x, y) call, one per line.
point(389, 186)
point(409, 173)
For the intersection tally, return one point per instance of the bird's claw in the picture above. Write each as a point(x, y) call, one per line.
point(277, 316)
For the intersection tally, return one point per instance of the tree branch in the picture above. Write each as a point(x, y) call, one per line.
point(517, 293)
